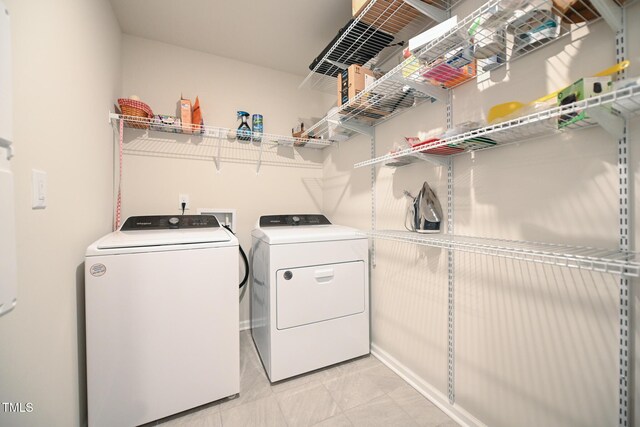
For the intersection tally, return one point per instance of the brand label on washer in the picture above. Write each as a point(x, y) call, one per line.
point(98, 270)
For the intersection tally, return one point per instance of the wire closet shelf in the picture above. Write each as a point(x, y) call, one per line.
point(498, 32)
point(374, 36)
point(582, 257)
point(216, 133)
point(623, 102)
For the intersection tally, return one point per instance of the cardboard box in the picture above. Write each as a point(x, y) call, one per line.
point(584, 88)
point(356, 5)
point(390, 16)
point(196, 117)
point(184, 109)
point(352, 81)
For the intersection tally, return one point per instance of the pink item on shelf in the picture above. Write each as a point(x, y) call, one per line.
point(444, 150)
point(442, 73)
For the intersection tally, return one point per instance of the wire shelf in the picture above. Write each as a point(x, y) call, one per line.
point(498, 32)
point(582, 257)
point(624, 102)
point(211, 132)
point(378, 32)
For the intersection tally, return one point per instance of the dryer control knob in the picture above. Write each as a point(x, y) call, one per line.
point(295, 219)
point(288, 275)
point(174, 220)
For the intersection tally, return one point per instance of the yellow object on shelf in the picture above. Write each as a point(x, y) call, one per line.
point(507, 110)
point(609, 71)
point(500, 111)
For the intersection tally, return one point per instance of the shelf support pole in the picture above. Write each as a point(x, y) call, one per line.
point(625, 346)
point(432, 12)
point(373, 197)
point(451, 337)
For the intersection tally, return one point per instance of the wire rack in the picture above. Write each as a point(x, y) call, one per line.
point(586, 258)
point(380, 30)
point(624, 102)
point(498, 32)
point(217, 133)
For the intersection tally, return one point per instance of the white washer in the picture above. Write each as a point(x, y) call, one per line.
point(162, 328)
point(310, 294)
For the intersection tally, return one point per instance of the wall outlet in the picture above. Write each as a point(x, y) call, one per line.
point(183, 198)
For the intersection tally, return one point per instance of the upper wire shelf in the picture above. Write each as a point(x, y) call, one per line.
point(586, 258)
point(220, 133)
point(606, 110)
point(379, 31)
point(498, 32)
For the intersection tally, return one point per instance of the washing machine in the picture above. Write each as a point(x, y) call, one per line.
point(162, 332)
point(309, 295)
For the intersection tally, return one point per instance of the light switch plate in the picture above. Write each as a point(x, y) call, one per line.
point(38, 189)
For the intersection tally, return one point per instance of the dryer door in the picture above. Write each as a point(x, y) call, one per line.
point(314, 294)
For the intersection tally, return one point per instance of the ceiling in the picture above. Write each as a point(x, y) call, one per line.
point(285, 35)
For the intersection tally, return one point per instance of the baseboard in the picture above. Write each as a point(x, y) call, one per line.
point(455, 412)
point(245, 324)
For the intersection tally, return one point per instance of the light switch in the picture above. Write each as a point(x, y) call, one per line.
point(38, 189)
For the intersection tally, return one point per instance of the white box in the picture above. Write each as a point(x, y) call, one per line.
point(431, 34)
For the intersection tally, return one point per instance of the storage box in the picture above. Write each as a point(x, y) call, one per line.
point(584, 88)
point(352, 81)
point(184, 112)
point(418, 42)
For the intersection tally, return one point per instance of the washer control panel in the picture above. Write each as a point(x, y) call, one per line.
point(293, 220)
point(165, 222)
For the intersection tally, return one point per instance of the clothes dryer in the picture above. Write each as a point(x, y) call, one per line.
point(310, 294)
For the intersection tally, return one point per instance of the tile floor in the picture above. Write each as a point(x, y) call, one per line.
point(362, 392)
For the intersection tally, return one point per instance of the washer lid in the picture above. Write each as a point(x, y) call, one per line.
point(145, 238)
point(306, 234)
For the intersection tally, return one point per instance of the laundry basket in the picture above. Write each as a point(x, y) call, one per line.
point(140, 113)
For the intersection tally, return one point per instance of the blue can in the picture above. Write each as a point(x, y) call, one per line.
point(257, 127)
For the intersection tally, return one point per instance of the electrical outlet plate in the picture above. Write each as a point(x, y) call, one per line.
point(183, 198)
point(225, 216)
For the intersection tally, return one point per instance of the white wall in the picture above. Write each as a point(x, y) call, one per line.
point(535, 345)
point(289, 180)
point(66, 74)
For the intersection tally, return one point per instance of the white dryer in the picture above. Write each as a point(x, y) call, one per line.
point(309, 295)
point(161, 319)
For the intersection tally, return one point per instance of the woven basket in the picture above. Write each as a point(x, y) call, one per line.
point(135, 109)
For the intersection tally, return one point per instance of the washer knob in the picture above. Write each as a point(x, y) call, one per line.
point(295, 219)
point(174, 220)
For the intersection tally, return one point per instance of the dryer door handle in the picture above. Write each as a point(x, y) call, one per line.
point(324, 275)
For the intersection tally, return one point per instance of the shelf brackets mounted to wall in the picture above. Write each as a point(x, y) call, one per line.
point(435, 92)
point(426, 9)
point(611, 122)
point(611, 12)
point(434, 160)
point(354, 127)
